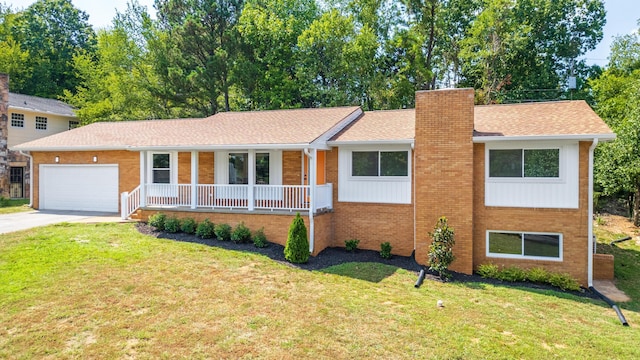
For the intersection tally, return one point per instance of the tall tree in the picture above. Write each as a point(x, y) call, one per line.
point(617, 101)
point(203, 44)
point(52, 32)
point(13, 59)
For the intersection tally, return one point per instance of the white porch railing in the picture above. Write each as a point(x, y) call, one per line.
point(232, 197)
point(130, 202)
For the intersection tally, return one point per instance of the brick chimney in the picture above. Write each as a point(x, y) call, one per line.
point(4, 132)
point(444, 170)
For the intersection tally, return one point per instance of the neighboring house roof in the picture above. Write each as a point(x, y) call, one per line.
point(388, 126)
point(268, 129)
point(44, 105)
point(558, 119)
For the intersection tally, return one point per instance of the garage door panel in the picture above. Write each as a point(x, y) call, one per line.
point(79, 187)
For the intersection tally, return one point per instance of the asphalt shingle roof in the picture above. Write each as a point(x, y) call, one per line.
point(51, 106)
point(387, 125)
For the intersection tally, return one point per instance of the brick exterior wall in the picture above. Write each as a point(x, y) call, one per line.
point(572, 223)
point(292, 167)
point(128, 166)
point(444, 170)
point(4, 132)
point(603, 266)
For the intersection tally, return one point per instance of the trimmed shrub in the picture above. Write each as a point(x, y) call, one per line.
point(441, 248)
point(4, 202)
point(259, 239)
point(513, 273)
point(157, 221)
point(537, 275)
point(223, 232)
point(564, 282)
point(351, 245)
point(297, 248)
point(172, 225)
point(488, 271)
point(205, 229)
point(189, 226)
point(385, 250)
point(241, 234)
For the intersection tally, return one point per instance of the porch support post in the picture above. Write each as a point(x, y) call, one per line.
point(143, 178)
point(194, 179)
point(312, 161)
point(252, 180)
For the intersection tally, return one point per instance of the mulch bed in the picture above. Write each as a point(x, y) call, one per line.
point(336, 256)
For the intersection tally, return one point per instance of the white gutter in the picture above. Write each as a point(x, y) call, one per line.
point(590, 216)
point(372, 142)
point(31, 177)
point(300, 146)
point(311, 179)
point(583, 137)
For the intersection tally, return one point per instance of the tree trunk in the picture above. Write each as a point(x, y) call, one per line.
point(636, 206)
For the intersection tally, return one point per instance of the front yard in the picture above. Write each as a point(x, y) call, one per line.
point(9, 206)
point(107, 291)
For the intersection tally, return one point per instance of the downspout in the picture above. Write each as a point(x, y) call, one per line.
point(30, 177)
point(590, 216)
point(311, 181)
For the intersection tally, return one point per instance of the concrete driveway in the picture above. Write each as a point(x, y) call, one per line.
point(27, 220)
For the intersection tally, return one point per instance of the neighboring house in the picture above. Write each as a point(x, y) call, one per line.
point(513, 180)
point(24, 118)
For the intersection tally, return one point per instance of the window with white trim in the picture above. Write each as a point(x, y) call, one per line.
point(379, 163)
point(161, 171)
point(524, 163)
point(524, 245)
point(17, 120)
point(73, 124)
point(239, 168)
point(41, 123)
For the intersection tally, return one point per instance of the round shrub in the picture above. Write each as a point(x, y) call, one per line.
point(189, 226)
point(297, 248)
point(157, 221)
point(205, 229)
point(351, 245)
point(241, 234)
point(223, 232)
point(172, 225)
point(259, 239)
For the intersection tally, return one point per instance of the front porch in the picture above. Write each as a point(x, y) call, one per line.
point(231, 180)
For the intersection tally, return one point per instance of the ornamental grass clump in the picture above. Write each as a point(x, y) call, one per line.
point(441, 249)
point(297, 248)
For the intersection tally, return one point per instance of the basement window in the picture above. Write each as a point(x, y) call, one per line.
point(524, 245)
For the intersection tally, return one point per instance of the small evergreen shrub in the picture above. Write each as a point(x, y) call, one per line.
point(385, 250)
point(223, 232)
point(172, 224)
point(352, 244)
point(488, 271)
point(157, 221)
point(513, 273)
point(537, 275)
point(259, 239)
point(441, 248)
point(297, 248)
point(241, 234)
point(205, 229)
point(564, 282)
point(189, 226)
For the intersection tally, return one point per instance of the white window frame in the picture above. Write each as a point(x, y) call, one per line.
point(522, 256)
point(221, 161)
point(352, 177)
point(173, 166)
point(15, 117)
point(561, 164)
point(42, 121)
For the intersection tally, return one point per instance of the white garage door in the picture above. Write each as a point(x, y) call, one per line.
point(79, 187)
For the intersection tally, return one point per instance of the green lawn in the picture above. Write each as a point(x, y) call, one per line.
point(9, 206)
point(106, 291)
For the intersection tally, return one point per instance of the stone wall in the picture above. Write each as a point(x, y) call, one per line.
point(4, 130)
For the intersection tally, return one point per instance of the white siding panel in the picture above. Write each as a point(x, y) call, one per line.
point(79, 187)
point(371, 190)
point(542, 193)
